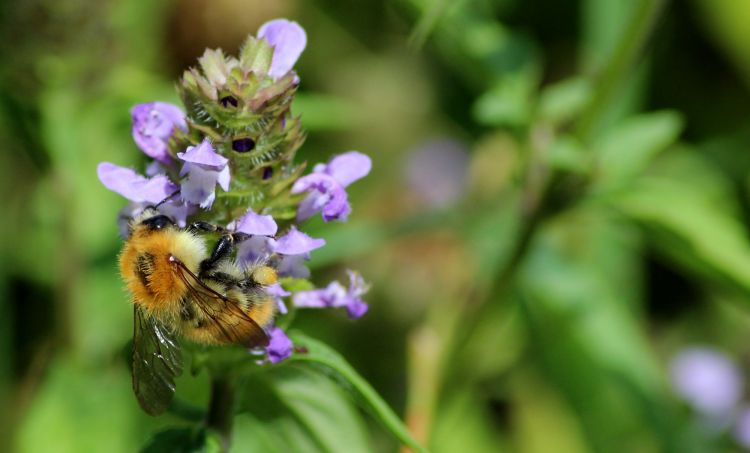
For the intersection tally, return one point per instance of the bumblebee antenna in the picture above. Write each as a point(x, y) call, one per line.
point(167, 198)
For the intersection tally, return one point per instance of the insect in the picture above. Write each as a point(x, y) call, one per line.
point(178, 289)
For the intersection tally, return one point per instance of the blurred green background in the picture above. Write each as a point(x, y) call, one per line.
point(559, 203)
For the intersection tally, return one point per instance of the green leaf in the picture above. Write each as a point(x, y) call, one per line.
point(579, 286)
point(182, 440)
point(704, 236)
point(563, 100)
point(626, 150)
point(293, 408)
point(335, 367)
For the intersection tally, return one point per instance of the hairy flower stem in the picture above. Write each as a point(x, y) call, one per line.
point(221, 409)
point(617, 69)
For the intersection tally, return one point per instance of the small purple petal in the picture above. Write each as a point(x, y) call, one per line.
point(293, 266)
point(349, 167)
point(133, 186)
point(741, 429)
point(204, 154)
point(296, 242)
point(200, 185)
point(278, 293)
point(252, 223)
point(153, 124)
point(224, 178)
point(335, 296)
point(288, 40)
point(708, 380)
point(255, 250)
point(326, 196)
point(356, 309)
point(280, 347)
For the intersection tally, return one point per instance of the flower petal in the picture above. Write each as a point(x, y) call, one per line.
point(349, 167)
point(356, 309)
point(293, 266)
point(200, 185)
point(255, 250)
point(296, 242)
point(252, 223)
point(133, 186)
point(203, 154)
point(326, 196)
point(280, 347)
point(288, 40)
point(153, 124)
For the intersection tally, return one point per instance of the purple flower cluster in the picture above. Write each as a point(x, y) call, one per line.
point(183, 176)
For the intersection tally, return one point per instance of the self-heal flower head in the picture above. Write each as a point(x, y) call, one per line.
point(708, 380)
point(326, 186)
point(279, 347)
point(288, 40)
point(204, 169)
point(153, 124)
point(336, 295)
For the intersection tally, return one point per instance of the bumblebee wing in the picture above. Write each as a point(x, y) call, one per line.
point(157, 361)
point(228, 322)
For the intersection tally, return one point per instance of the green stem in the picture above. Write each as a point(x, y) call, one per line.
point(618, 67)
point(221, 409)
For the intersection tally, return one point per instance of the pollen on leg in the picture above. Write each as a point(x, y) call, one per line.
point(265, 275)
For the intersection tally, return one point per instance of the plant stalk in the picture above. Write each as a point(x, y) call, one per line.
point(619, 65)
point(221, 409)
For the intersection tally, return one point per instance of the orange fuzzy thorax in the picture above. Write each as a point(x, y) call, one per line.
point(165, 289)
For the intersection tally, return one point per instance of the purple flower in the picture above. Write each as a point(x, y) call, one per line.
point(336, 295)
point(293, 266)
point(741, 429)
point(278, 294)
point(437, 172)
point(255, 224)
point(288, 40)
point(204, 168)
point(295, 248)
point(708, 380)
point(133, 186)
point(296, 242)
point(326, 186)
point(280, 347)
point(256, 249)
point(153, 124)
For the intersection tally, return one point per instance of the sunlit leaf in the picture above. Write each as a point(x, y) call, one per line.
point(330, 362)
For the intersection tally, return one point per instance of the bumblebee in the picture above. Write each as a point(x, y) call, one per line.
point(178, 289)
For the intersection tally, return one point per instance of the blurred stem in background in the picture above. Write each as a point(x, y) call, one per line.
point(430, 354)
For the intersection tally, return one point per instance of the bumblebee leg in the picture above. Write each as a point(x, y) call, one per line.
point(222, 250)
point(206, 227)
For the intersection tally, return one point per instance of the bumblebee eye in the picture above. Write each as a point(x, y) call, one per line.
point(226, 101)
point(157, 222)
point(243, 145)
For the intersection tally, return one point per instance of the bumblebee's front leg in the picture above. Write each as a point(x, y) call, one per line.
point(223, 247)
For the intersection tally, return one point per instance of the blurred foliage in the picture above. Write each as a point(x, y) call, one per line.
point(604, 226)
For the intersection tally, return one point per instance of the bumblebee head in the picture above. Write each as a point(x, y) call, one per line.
point(150, 219)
